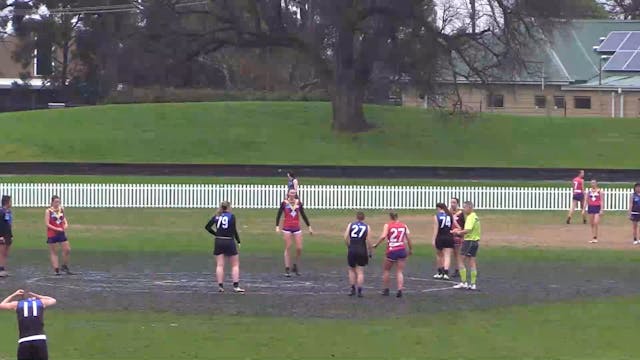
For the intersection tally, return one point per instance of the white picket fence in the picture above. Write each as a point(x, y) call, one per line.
point(313, 196)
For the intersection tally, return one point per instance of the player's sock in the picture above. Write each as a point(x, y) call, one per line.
point(57, 270)
point(1, 268)
point(236, 285)
point(221, 285)
point(446, 272)
point(463, 275)
point(359, 290)
point(474, 276)
point(353, 287)
point(569, 220)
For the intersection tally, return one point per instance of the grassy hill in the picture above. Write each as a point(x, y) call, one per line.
point(299, 133)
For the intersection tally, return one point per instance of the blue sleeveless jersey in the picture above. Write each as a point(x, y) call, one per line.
point(358, 233)
point(635, 208)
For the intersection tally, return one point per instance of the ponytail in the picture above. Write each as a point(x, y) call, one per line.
point(224, 206)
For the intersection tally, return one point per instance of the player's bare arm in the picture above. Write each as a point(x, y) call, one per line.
point(8, 303)
point(383, 236)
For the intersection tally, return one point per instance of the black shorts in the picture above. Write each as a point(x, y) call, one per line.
point(7, 241)
point(470, 248)
point(444, 242)
point(357, 258)
point(33, 350)
point(634, 217)
point(226, 247)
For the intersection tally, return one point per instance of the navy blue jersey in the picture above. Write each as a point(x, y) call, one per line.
point(6, 221)
point(223, 226)
point(290, 184)
point(30, 318)
point(444, 224)
point(635, 208)
point(358, 233)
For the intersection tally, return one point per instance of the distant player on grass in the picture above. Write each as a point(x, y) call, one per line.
point(29, 307)
point(6, 233)
point(443, 239)
point(223, 226)
point(292, 183)
point(56, 223)
point(292, 209)
point(356, 237)
point(458, 217)
point(634, 212)
point(396, 234)
point(577, 197)
point(595, 208)
point(470, 246)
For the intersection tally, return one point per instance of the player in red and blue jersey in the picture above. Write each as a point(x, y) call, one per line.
point(356, 237)
point(577, 197)
point(292, 210)
point(56, 223)
point(634, 212)
point(396, 234)
point(595, 208)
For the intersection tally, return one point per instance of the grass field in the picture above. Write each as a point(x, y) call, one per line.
point(260, 133)
point(600, 328)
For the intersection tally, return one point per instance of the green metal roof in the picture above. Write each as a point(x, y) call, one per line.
point(572, 43)
point(566, 52)
point(624, 82)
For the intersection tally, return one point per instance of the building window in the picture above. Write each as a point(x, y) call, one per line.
point(540, 102)
point(558, 102)
point(582, 102)
point(496, 101)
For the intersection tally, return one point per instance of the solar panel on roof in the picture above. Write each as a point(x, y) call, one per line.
point(613, 41)
point(632, 42)
point(634, 63)
point(618, 61)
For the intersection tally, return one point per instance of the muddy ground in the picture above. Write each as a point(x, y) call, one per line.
point(184, 284)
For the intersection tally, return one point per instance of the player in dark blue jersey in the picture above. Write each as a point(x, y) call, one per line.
point(292, 183)
point(223, 226)
point(634, 212)
point(443, 223)
point(6, 233)
point(356, 237)
point(32, 341)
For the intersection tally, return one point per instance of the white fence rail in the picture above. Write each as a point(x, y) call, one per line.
point(314, 197)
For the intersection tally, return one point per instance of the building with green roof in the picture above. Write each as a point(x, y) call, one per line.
point(571, 70)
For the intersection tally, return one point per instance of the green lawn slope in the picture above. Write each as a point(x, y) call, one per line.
point(299, 133)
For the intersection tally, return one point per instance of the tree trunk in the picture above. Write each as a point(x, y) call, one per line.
point(347, 101)
point(347, 96)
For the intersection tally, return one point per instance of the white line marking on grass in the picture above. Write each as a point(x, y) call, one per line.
point(438, 289)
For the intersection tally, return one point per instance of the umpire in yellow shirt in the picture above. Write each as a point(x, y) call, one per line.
point(470, 246)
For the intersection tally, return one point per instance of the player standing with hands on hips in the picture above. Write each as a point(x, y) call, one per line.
point(32, 343)
point(470, 246)
point(56, 223)
point(226, 237)
point(6, 234)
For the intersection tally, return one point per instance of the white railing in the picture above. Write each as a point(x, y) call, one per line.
point(314, 196)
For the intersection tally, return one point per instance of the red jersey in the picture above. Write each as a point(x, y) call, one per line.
point(292, 214)
point(396, 235)
point(56, 219)
point(594, 197)
point(578, 185)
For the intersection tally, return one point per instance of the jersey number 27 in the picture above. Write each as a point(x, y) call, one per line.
point(357, 231)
